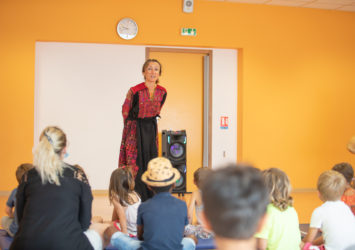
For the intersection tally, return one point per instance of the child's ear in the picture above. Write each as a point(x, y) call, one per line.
point(172, 187)
point(320, 196)
point(205, 223)
point(195, 183)
point(63, 152)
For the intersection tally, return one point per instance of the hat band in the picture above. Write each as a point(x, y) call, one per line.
point(169, 179)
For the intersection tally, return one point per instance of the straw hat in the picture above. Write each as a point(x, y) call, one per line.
point(160, 173)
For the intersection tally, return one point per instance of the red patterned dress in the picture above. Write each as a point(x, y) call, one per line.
point(140, 133)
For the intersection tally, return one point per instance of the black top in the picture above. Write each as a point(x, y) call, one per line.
point(51, 216)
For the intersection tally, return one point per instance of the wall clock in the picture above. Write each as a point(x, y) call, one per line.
point(127, 28)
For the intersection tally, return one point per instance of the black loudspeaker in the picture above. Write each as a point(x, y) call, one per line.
point(174, 148)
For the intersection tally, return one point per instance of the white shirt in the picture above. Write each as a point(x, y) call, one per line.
point(337, 223)
point(131, 212)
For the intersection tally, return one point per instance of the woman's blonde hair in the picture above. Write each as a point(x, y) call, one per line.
point(279, 188)
point(47, 156)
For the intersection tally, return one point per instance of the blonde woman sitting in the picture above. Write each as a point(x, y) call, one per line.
point(54, 201)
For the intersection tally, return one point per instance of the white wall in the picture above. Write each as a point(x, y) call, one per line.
point(224, 96)
point(81, 87)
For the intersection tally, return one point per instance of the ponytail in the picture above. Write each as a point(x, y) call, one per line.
point(47, 157)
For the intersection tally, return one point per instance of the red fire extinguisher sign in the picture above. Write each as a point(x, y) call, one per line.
point(224, 122)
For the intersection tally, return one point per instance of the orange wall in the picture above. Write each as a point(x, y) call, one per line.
point(297, 84)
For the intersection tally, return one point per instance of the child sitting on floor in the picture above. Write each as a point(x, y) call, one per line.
point(235, 200)
point(161, 219)
point(9, 222)
point(281, 230)
point(348, 172)
point(125, 201)
point(334, 218)
point(196, 204)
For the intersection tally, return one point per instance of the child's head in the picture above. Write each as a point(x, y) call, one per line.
point(279, 188)
point(200, 175)
point(160, 175)
point(331, 185)
point(235, 200)
point(346, 170)
point(121, 184)
point(21, 170)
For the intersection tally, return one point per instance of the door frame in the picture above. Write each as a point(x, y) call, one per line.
point(209, 54)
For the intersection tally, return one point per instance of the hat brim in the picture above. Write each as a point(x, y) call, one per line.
point(155, 183)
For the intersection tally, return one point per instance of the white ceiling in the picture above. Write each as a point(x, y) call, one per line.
point(343, 5)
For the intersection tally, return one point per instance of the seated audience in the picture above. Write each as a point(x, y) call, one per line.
point(281, 230)
point(9, 222)
point(54, 201)
point(349, 195)
point(235, 200)
point(196, 204)
point(161, 220)
point(334, 218)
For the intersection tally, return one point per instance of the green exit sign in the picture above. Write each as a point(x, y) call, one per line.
point(188, 32)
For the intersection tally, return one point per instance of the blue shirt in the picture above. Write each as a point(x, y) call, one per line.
point(11, 202)
point(163, 218)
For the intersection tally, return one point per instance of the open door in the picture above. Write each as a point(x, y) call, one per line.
point(183, 75)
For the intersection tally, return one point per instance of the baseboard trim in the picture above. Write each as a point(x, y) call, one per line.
point(4, 193)
point(99, 192)
point(304, 190)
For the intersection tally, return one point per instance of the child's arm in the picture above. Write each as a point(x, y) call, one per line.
point(10, 204)
point(114, 215)
point(190, 210)
point(118, 208)
point(310, 237)
point(319, 241)
point(9, 211)
point(140, 231)
point(261, 244)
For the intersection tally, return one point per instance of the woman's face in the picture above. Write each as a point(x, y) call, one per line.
point(152, 72)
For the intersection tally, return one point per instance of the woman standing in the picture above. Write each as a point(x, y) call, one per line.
point(54, 201)
point(140, 133)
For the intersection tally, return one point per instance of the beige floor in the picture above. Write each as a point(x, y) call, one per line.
point(304, 203)
point(101, 206)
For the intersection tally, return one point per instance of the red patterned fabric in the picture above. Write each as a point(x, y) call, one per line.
point(349, 199)
point(137, 105)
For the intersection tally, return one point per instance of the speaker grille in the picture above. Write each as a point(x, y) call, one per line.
point(174, 148)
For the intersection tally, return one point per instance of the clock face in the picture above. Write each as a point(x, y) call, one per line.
point(127, 28)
